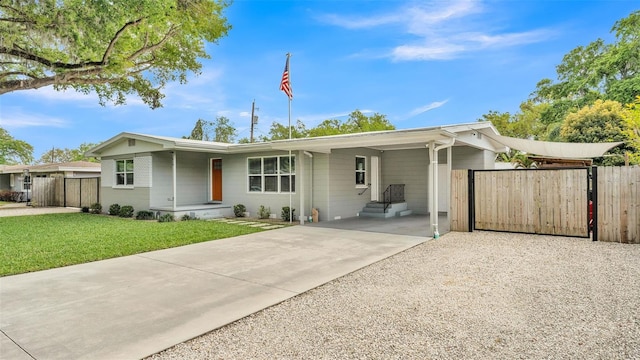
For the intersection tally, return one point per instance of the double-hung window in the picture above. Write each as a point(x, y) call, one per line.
point(124, 172)
point(272, 174)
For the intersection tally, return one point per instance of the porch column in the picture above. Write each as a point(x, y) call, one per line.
point(300, 169)
point(175, 177)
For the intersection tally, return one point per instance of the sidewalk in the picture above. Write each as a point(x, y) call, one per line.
point(135, 306)
point(21, 209)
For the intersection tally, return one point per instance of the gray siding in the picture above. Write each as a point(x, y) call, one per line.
point(321, 176)
point(343, 195)
point(161, 180)
point(138, 198)
point(192, 178)
point(409, 167)
point(465, 157)
point(5, 181)
point(235, 185)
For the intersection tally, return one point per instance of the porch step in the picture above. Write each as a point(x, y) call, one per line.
point(376, 209)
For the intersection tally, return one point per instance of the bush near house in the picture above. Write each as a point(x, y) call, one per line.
point(264, 212)
point(95, 208)
point(126, 211)
point(10, 196)
point(145, 215)
point(285, 213)
point(239, 210)
point(114, 209)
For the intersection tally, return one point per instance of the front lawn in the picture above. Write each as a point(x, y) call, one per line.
point(32, 243)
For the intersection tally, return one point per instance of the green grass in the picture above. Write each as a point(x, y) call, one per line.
point(4, 203)
point(32, 243)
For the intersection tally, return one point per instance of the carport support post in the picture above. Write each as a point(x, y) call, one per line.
point(433, 188)
point(301, 193)
point(175, 184)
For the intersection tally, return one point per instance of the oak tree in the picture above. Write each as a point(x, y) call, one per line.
point(112, 47)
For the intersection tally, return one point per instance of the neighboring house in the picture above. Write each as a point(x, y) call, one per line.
point(12, 177)
point(338, 175)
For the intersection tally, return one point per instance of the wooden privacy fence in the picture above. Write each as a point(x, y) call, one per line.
point(59, 191)
point(618, 204)
point(549, 201)
point(43, 191)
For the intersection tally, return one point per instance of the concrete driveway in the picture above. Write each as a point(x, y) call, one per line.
point(135, 306)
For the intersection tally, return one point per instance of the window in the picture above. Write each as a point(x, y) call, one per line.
point(361, 171)
point(273, 174)
point(124, 172)
point(26, 182)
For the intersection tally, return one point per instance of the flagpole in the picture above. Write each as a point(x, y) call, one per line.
point(285, 85)
point(290, 165)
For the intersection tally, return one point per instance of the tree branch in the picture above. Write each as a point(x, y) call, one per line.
point(113, 41)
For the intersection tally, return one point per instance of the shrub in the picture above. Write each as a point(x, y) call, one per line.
point(187, 217)
point(264, 212)
point(239, 210)
point(95, 208)
point(114, 209)
point(84, 209)
point(145, 215)
point(7, 195)
point(285, 213)
point(166, 218)
point(126, 211)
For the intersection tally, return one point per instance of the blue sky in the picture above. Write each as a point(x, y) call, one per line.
point(422, 63)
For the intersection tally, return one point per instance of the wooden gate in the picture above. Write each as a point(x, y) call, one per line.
point(540, 201)
point(59, 191)
point(81, 192)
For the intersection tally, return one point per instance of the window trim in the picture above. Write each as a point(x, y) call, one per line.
point(278, 174)
point(125, 172)
point(363, 171)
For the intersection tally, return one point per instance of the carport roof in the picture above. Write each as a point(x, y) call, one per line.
point(380, 140)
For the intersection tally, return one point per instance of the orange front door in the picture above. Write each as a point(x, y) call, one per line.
point(216, 179)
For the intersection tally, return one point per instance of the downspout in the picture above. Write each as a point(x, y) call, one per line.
point(302, 217)
point(175, 185)
point(433, 154)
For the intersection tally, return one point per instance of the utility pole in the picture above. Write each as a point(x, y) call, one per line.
point(254, 118)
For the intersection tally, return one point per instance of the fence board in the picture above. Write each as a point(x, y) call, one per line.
point(543, 201)
point(90, 191)
point(459, 216)
point(43, 191)
point(619, 204)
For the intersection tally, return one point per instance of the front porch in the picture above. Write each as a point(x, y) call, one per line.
point(200, 211)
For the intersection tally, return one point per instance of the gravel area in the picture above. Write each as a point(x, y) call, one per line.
point(466, 295)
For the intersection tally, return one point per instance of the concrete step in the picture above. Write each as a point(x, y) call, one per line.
point(404, 212)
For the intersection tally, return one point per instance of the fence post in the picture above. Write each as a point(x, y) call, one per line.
point(470, 199)
point(594, 201)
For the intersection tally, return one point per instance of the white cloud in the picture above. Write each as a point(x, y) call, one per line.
point(428, 107)
point(15, 118)
point(441, 30)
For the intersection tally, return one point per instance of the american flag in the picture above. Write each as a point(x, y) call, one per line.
point(285, 84)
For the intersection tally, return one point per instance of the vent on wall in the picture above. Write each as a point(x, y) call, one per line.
point(132, 142)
